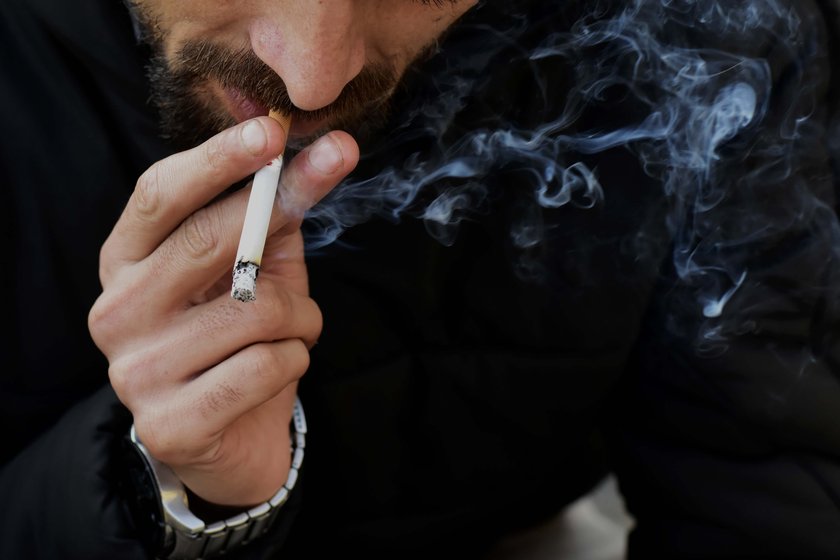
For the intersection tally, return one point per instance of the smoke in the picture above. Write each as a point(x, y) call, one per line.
point(715, 100)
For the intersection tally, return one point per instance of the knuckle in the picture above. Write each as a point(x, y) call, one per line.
point(126, 375)
point(103, 319)
point(157, 439)
point(148, 195)
point(292, 315)
point(317, 322)
point(285, 360)
point(220, 398)
point(213, 153)
point(266, 362)
point(162, 435)
point(123, 386)
point(106, 258)
point(113, 312)
point(121, 383)
point(302, 359)
point(273, 317)
point(282, 307)
point(296, 357)
point(97, 320)
point(200, 234)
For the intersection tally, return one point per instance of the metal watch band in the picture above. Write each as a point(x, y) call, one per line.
point(189, 538)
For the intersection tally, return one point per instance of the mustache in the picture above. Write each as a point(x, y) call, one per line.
point(246, 73)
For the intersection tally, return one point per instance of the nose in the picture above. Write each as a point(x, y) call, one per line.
point(315, 47)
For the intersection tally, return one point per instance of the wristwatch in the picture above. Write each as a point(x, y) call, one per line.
point(159, 504)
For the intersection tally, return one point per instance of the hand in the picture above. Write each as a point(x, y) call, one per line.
point(210, 380)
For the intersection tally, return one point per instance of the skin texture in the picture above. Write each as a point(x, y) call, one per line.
point(211, 380)
point(315, 47)
point(316, 50)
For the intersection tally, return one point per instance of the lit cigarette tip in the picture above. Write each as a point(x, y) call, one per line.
point(255, 227)
point(245, 281)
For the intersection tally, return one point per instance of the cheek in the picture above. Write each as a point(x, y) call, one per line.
point(175, 23)
point(398, 41)
point(403, 34)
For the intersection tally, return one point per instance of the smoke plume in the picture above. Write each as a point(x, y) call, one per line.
point(725, 114)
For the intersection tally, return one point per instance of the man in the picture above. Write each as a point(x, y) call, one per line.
point(515, 246)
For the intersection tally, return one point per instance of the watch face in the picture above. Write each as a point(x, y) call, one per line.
point(141, 495)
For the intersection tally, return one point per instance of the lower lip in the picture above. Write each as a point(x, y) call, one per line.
point(242, 107)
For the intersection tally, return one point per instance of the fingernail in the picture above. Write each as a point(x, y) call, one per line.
point(253, 137)
point(325, 156)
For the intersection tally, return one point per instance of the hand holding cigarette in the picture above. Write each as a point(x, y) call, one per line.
point(211, 389)
point(257, 216)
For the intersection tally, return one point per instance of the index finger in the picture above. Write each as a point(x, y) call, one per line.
point(177, 186)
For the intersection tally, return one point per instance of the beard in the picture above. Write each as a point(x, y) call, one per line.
point(182, 91)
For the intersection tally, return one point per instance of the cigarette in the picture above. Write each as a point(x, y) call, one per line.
point(255, 228)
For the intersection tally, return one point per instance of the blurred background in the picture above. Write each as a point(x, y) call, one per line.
point(593, 528)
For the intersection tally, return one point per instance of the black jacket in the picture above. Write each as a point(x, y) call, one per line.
point(671, 320)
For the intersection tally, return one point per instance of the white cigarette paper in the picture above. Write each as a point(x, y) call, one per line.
point(255, 228)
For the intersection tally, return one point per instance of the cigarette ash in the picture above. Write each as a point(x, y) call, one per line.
point(685, 87)
point(245, 281)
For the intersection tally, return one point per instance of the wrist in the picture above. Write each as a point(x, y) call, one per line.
point(161, 506)
point(210, 512)
point(243, 485)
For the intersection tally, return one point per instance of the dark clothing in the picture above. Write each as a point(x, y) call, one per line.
point(472, 384)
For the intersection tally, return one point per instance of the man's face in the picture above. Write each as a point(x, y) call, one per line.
point(330, 63)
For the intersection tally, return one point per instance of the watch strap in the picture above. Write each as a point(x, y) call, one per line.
point(185, 536)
